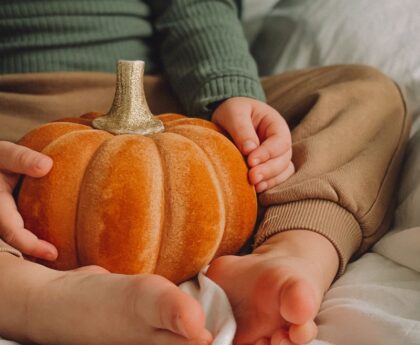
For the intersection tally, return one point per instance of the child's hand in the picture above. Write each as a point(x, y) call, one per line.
point(16, 159)
point(260, 133)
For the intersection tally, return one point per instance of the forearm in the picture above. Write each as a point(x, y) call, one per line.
point(204, 52)
point(20, 279)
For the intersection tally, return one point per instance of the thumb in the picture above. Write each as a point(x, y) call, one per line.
point(22, 160)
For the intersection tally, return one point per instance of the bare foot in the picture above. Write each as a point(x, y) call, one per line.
point(93, 307)
point(276, 291)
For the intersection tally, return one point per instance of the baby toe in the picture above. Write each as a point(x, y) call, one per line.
point(297, 302)
point(303, 334)
point(280, 337)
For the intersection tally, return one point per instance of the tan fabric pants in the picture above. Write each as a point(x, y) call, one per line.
point(349, 129)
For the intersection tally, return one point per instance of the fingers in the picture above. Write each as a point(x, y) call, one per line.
point(19, 159)
point(242, 131)
point(274, 181)
point(270, 162)
point(261, 134)
point(13, 232)
point(275, 136)
point(274, 146)
point(244, 136)
point(270, 168)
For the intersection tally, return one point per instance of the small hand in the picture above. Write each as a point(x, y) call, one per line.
point(14, 160)
point(261, 134)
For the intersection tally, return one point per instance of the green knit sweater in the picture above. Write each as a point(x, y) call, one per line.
point(198, 44)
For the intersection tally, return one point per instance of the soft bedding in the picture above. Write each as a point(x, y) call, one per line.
point(293, 34)
point(377, 301)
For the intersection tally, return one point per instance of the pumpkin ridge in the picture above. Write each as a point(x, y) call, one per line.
point(213, 172)
point(219, 187)
point(89, 130)
point(183, 164)
point(231, 169)
point(164, 201)
point(53, 198)
point(76, 230)
point(224, 192)
point(124, 233)
point(188, 121)
point(212, 163)
point(42, 136)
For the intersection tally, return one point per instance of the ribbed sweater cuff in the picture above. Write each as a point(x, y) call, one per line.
point(324, 217)
point(223, 88)
point(5, 248)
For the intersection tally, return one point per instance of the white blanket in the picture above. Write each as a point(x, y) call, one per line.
point(376, 302)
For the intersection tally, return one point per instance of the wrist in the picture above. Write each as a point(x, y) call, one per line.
point(214, 105)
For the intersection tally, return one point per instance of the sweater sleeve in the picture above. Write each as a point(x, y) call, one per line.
point(204, 52)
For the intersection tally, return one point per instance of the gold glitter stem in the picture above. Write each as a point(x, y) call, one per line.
point(129, 113)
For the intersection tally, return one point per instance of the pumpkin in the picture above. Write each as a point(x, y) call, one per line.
point(136, 193)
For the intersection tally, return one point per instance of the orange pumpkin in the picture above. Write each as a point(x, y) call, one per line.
point(165, 203)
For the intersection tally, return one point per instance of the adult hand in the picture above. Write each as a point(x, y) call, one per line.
point(15, 160)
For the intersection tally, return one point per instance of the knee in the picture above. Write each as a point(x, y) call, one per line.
point(366, 73)
point(375, 85)
point(360, 71)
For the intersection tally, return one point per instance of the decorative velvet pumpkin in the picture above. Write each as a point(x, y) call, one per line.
point(166, 202)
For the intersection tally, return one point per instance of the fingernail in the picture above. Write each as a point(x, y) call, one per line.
point(50, 256)
point(255, 162)
point(258, 178)
point(43, 163)
point(262, 187)
point(249, 146)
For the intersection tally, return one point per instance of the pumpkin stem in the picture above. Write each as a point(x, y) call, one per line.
point(129, 113)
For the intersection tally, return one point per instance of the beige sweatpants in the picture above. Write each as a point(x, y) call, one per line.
point(349, 127)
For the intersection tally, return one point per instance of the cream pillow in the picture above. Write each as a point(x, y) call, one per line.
point(292, 34)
